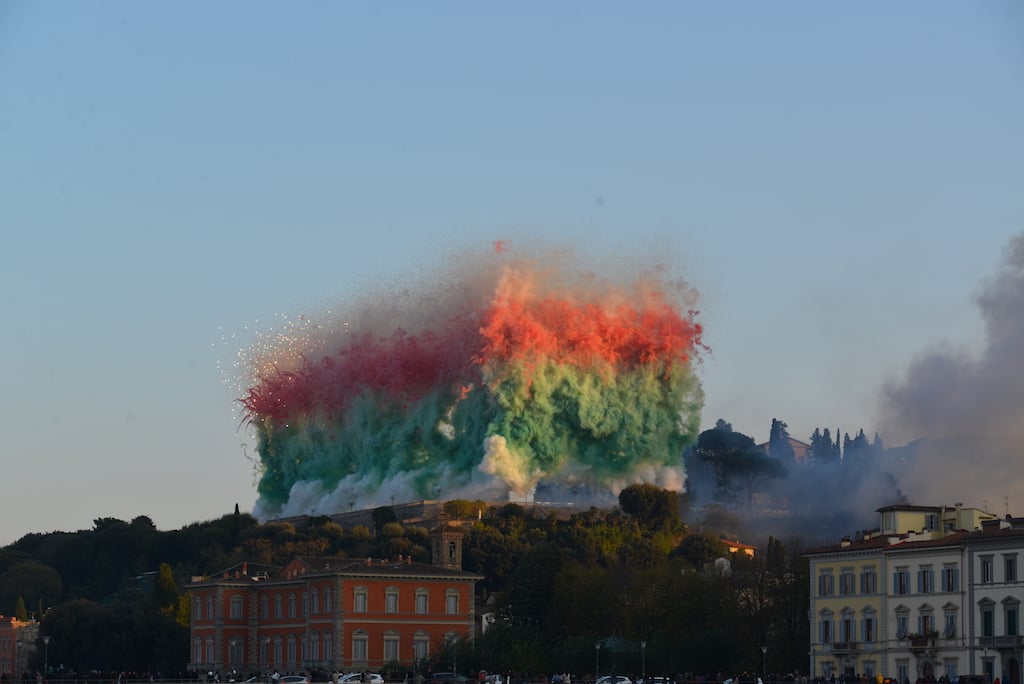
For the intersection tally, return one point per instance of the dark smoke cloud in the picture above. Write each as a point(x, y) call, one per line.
point(967, 409)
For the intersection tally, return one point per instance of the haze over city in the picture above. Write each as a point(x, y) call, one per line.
point(839, 186)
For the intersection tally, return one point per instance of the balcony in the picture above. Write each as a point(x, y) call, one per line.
point(841, 647)
point(1014, 642)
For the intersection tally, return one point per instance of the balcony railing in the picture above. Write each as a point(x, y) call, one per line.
point(1001, 641)
point(844, 647)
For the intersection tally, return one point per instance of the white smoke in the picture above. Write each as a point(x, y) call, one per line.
point(968, 408)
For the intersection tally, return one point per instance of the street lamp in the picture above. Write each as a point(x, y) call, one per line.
point(597, 660)
point(643, 661)
point(764, 664)
point(46, 656)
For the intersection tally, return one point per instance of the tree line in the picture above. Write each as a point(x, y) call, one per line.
point(558, 586)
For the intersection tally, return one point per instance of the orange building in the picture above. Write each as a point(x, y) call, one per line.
point(328, 614)
point(17, 644)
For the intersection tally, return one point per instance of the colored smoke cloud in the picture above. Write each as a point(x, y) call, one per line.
point(968, 409)
point(502, 373)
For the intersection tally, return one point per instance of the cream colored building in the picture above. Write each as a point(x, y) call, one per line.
point(905, 601)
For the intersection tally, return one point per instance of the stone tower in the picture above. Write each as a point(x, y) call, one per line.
point(446, 547)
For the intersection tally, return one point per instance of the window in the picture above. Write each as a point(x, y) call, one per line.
point(950, 666)
point(825, 627)
point(931, 521)
point(328, 647)
point(926, 622)
point(390, 647)
point(391, 600)
point(197, 608)
point(197, 651)
point(903, 670)
point(901, 625)
point(209, 607)
point(236, 612)
point(901, 581)
point(950, 578)
point(949, 631)
point(264, 644)
point(846, 627)
point(1010, 568)
point(305, 603)
point(314, 646)
point(314, 602)
point(846, 585)
point(359, 646)
point(826, 583)
point(868, 581)
point(1010, 611)
point(986, 570)
point(264, 607)
point(278, 653)
point(292, 653)
point(451, 602)
point(278, 611)
point(421, 601)
point(870, 627)
point(988, 621)
point(926, 580)
point(359, 600)
point(328, 605)
point(291, 605)
point(420, 646)
point(869, 669)
point(209, 649)
point(235, 656)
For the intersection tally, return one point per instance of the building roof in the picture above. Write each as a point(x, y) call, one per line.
point(309, 566)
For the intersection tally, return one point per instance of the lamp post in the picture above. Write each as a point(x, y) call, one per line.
point(46, 656)
point(597, 660)
point(643, 661)
point(764, 664)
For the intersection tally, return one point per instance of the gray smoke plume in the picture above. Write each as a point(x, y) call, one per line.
point(967, 409)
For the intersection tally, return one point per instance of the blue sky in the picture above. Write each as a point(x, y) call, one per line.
point(837, 180)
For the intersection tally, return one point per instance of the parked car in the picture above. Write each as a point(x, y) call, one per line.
point(655, 680)
point(357, 677)
point(294, 679)
point(614, 679)
point(447, 678)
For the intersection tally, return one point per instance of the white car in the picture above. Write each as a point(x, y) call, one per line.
point(614, 679)
point(359, 677)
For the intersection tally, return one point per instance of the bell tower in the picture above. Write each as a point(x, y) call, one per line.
point(446, 547)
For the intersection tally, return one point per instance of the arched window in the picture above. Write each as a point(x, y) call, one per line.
point(278, 654)
point(314, 646)
point(451, 602)
point(292, 654)
point(278, 612)
point(359, 600)
point(291, 605)
point(420, 646)
point(328, 647)
point(209, 607)
point(359, 646)
point(264, 607)
point(391, 643)
point(197, 651)
point(314, 601)
point(236, 608)
point(391, 600)
point(328, 605)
